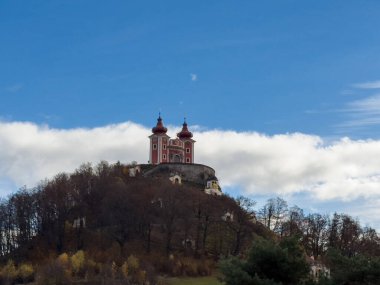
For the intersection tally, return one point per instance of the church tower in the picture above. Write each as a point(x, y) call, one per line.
point(188, 143)
point(158, 143)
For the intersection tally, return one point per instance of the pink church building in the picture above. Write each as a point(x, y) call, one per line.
point(163, 149)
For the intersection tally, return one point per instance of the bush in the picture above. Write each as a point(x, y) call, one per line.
point(8, 273)
point(124, 270)
point(26, 272)
point(133, 264)
point(78, 262)
point(64, 260)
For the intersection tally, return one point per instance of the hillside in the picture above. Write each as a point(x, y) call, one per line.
point(102, 225)
point(110, 216)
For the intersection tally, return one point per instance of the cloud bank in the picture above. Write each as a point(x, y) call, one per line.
point(287, 164)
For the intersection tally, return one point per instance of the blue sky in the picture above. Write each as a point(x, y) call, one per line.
point(271, 67)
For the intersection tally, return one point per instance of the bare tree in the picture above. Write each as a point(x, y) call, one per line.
point(273, 213)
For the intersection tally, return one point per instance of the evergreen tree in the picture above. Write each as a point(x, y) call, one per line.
point(268, 263)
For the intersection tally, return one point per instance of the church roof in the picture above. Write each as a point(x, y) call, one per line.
point(185, 133)
point(159, 128)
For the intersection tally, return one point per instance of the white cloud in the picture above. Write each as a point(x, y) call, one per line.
point(29, 152)
point(368, 105)
point(363, 112)
point(14, 88)
point(287, 164)
point(194, 77)
point(368, 85)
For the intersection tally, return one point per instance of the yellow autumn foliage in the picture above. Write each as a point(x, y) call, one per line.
point(64, 259)
point(124, 269)
point(25, 271)
point(9, 271)
point(133, 264)
point(77, 261)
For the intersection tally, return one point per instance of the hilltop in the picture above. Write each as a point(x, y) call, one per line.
point(171, 228)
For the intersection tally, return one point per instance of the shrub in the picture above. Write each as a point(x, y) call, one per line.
point(26, 272)
point(9, 273)
point(77, 262)
point(133, 264)
point(64, 260)
point(124, 270)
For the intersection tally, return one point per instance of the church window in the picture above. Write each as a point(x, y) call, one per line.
point(164, 156)
point(188, 160)
point(164, 146)
point(187, 150)
point(154, 146)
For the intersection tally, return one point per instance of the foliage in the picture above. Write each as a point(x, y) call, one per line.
point(26, 272)
point(359, 269)
point(133, 264)
point(64, 259)
point(78, 262)
point(268, 263)
point(9, 272)
point(137, 224)
point(124, 270)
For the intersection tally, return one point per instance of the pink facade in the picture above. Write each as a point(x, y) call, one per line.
point(163, 149)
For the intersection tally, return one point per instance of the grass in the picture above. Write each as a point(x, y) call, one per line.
point(209, 280)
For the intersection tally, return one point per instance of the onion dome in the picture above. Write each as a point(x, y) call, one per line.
point(185, 133)
point(159, 128)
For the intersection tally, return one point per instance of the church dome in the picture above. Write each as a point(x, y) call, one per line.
point(159, 128)
point(185, 133)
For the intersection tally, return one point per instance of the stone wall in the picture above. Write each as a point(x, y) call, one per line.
point(195, 173)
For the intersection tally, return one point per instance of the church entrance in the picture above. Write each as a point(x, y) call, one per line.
point(177, 158)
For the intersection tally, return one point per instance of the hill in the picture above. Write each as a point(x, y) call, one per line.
point(110, 216)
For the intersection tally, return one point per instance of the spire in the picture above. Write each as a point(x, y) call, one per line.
point(185, 133)
point(159, 128)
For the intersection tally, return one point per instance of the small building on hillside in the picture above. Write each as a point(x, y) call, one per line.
point(317, 269)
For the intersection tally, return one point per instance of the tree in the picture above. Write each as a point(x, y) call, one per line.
point(173, 209)
point(54, 203)
point(293, 226)
point(273, 213)
point(316, 235)
point(241, 224)
point(353, 270)
point(268, 263)
point(345, 234)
